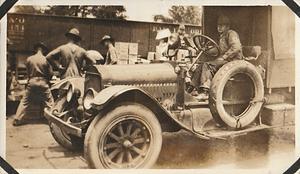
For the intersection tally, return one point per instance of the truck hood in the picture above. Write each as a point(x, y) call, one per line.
point(135, 74)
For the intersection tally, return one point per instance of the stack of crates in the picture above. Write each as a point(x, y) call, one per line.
point(127, 52)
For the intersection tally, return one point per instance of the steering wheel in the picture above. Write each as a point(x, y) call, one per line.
point(205, 44)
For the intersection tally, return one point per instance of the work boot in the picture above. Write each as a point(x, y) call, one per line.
point(17, 122)
point(195, 93)
point(203, 95)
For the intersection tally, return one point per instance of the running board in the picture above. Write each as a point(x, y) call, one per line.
point(224, 133)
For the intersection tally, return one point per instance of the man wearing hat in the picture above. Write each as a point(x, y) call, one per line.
point(68, 58)
point(111, 55)
point(37, 92)
point(181, 40)
point(231, 49)
point(162, 48)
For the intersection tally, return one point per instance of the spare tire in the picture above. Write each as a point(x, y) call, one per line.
point(236, 94)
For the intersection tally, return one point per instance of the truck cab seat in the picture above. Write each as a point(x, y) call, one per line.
point(251, 52)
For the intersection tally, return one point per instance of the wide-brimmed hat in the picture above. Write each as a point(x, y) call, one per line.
point(223, 20)
point(181, 27)
point(161, 34)
point(73, 33)
point(40, 45)
point(105, 38)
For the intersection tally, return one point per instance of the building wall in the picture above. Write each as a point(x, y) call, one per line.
point(25, 30)
point(264, 26)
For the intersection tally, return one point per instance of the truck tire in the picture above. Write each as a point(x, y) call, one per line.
point(236, 113)
point(129, 136)
point(67, 141)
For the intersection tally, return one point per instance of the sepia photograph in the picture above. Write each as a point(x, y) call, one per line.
point(150, 87)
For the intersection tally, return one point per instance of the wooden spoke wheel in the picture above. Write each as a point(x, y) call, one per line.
point(129, 136)
point(126, 144)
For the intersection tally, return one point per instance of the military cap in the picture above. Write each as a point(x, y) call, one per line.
point(74, 33)
point(181, 27)
point(223, 20)
point(40, 45)
point(105, 38)
point(161, 34)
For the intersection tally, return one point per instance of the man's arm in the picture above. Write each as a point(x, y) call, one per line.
point(235, 45)
point(113, 56)
point(175, 45)
point(27, 68)
point(50, 71)
point(51, 57)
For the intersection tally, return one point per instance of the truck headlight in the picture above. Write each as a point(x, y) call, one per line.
point(72, 92)
point(88, 98)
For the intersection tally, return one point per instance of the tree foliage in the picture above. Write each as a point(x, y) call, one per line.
point(182, 14)
point(101, 12)
point(27, 9)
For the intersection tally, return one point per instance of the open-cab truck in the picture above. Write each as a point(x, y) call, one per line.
point(127, 107)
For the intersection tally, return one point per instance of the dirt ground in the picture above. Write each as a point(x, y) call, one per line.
point(32, 146)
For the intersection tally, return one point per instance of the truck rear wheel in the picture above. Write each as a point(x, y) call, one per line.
point(236, 94)
point(128, 136)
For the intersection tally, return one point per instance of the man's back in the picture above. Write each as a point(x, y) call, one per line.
point(70, 58)
point(37, 66)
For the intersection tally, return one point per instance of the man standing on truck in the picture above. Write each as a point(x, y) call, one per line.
point(231, 49)
point(70, 56)
point(111, 55)
point(37, 93)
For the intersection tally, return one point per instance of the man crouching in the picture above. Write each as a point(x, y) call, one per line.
point(231, 49)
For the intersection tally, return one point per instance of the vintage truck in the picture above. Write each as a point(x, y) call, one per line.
point(119, 119)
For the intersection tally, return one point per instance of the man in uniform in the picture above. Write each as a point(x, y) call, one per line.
point(111, 55)
point(9, 68)
point(180, 38)
point(37, 93)
point(70, 56)
point(231, 49)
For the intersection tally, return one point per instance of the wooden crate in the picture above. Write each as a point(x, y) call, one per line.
point(278, 114)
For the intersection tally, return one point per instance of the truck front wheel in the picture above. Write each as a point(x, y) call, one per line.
point(67, 141)
point(128, 136)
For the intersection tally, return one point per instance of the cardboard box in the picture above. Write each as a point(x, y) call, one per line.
point(122, 46)
point(122, 49)
point(151, 56)
point(122, 61)
point(132, 59)
point(133, 48)
point(278, 114)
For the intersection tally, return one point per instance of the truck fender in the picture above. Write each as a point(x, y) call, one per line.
point(114, 95)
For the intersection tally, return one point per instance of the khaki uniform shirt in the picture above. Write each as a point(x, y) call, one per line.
point(70, 57)
point(111, 56)
point(38, 67)
point(230, 45)
point(181, 41)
